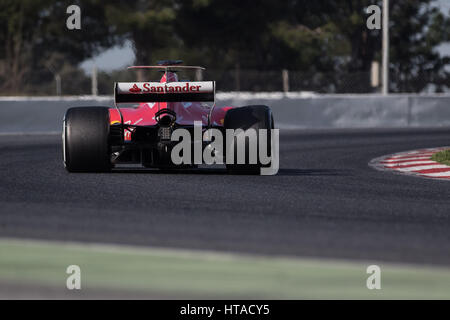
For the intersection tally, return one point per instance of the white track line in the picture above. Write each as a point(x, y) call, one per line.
point(395, 165)
point(421, 168)
point(444, 174)
point(405, 159)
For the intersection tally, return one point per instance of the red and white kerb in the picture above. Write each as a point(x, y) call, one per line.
point(417, 162)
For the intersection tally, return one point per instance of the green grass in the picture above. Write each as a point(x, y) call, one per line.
point(191, 274)
point(442, 157)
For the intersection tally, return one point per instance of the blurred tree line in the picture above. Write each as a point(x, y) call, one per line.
point(323, 41)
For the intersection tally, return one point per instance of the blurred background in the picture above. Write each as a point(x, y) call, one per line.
point(268, 45)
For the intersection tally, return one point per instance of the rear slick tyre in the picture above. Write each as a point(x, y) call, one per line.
point(249, 117)
point(86, 139)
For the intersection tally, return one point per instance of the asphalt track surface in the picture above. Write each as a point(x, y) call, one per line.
point(325, 201)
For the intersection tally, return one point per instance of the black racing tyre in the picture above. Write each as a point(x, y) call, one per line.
point(248, 117)
point(86, 139)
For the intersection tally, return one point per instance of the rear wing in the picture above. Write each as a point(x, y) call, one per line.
point(135, 92)
point(167, 67)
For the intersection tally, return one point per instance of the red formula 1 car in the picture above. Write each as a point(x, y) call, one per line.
point(97, 139)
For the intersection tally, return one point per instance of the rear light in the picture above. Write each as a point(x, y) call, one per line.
point(165, 133)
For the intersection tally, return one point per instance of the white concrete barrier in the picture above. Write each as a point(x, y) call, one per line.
point(294, 110)
point(349, 111)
